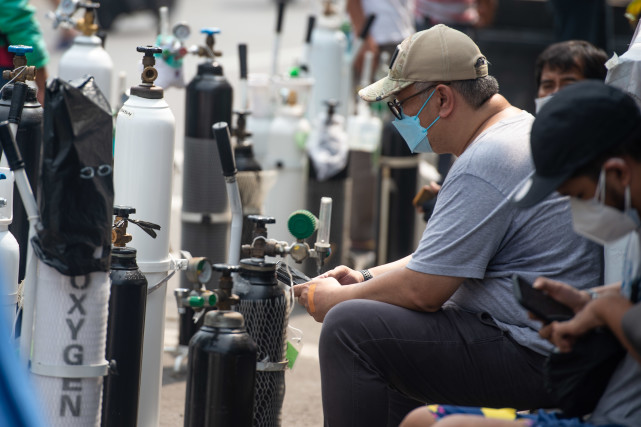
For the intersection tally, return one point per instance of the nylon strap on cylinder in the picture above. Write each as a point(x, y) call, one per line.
point(71, 371)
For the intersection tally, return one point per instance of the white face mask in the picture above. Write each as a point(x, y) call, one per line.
point(540, 102)
point(600, 223)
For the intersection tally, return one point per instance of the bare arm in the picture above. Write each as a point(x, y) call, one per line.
point(605, 311)
point(346, 276)
point(401, 286)
point(357, 17)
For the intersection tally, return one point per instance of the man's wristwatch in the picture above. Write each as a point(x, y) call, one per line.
point(366, 275)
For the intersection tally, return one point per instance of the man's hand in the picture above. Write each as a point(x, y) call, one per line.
point(319, 295)
point(343, 275)
point(563, 293)
point(427, 192)
point(564, 334)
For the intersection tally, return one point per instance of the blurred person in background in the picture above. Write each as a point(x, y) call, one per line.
point(565, 63)
point(589, 20)
point(394, 22)
point(463, 15)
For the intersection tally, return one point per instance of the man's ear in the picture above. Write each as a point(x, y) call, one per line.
point(619, 173)
point(446, 98)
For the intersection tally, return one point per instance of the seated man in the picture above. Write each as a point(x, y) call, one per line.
point(600, 168)
point(441, 325)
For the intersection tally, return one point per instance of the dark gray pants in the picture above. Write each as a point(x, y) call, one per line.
point(378, 361)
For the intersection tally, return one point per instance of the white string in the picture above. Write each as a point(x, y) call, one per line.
point(21, 70)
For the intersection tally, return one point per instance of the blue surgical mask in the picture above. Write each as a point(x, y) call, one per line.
point(413, 133)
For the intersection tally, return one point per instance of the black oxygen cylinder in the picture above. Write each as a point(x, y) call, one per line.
point(400, 166)
point(205, 209)
point(221, 373)
point(125, 333)
point(29, 139)
point(264, 306)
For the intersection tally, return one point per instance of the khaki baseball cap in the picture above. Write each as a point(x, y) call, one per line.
point(440, 54)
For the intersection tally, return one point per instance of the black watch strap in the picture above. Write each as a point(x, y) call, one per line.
point(366, 275)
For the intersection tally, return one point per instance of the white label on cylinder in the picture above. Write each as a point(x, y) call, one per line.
point(125, 113)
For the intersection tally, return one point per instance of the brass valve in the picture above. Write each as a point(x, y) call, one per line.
point(21, 72)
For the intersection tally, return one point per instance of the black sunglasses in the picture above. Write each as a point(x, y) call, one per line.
point(395, 106)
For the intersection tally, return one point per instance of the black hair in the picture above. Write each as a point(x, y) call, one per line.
point(581, 55)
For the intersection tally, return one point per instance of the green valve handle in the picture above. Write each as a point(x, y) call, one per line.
point(196, 301)
point(302, 224)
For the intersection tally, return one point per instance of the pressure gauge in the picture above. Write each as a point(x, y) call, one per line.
point(181, 31)
point(199, 270)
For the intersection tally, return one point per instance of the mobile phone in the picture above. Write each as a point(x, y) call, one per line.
point(538, 303)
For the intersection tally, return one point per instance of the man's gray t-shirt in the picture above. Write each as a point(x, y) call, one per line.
point(477, 233)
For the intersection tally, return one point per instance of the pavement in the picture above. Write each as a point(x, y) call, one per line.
point(240, 21)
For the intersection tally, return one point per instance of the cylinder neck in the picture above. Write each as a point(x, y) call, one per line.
point(258, 272)
point(123, 258)
point(147, 92)
point(210, 68)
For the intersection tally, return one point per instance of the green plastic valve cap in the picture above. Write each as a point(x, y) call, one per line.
point(213, 300)
point(302, 224)
point(196, 302)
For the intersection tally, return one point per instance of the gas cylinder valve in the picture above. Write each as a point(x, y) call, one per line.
point(261, 246)
point(241, 133)
point(149, 73)
point(64, 16)
point(87, 24)
point(222, 297)
point(225, 297)
point(208, 50)
point(21, 72)
point(119, 236)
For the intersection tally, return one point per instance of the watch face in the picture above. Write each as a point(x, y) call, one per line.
point(67, 7)
point(181, 31)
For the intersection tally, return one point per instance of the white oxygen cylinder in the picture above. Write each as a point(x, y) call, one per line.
point(326, 59)
point(261, 104)
point(143, 171)
point(9, 249)
point(87, 56)
point(364, 130)
point(69, 340)
point(286, 156)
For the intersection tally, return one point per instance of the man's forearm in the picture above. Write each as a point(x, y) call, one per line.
point(395, 265)
point(405, 288)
